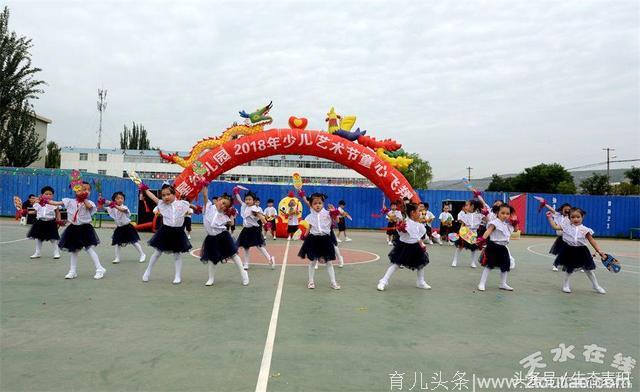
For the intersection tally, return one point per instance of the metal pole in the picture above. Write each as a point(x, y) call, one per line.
point(102, 106)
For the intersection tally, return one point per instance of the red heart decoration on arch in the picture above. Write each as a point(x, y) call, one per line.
point(297, 123)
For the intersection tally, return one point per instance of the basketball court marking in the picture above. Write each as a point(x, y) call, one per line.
point(265, 366)
point(11, 242)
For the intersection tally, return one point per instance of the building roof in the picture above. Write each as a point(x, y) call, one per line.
point(154, 153)
point(43, 119)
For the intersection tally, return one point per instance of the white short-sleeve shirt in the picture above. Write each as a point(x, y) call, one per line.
point(429, 217)
point(84, 213)
point(248, 217)
point(46, 212)
point(122, 218)
point(414, 233)
point(445, 216)
point(292, 220)
point(472, 220)
point(215, 222)
point(575, 235)
point(270, 211)
point(559, 219)
point(172, 213)
point(319, 222)
point(502, 233)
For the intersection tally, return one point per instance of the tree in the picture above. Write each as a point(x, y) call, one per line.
point(53, 156)
point(544, 178)
point(499, 184)
point(19, 141)
point(633, 175)
point(625, 189)
point(135, 138)
point(597, 184)
point(419, 173)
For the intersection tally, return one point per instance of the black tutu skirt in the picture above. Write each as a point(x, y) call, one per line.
point(76, 237)
point(124, 235)
point(44, 230)
point(557, 246)
point(317, 247)
point(334, 239)
point(444, 232)
point(481, 230)
point(496, 256)
point(218, 248)
point(292, 229)
point(170, 239)
point(408, 255)
point(575, 257)
point(250, 236)
point(462, 244)
point(391, 231)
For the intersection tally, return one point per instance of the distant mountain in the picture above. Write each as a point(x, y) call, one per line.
point(617, 175)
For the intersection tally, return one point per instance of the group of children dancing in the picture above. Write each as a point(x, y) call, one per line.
point(408, 232)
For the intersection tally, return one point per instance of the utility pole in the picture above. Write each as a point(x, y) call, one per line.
point(469, 171)
point(102, 106)
point(608, 150)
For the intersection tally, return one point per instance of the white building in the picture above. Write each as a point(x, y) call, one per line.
point(149, 165)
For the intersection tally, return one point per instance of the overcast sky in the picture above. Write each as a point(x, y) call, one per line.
point(496, 85)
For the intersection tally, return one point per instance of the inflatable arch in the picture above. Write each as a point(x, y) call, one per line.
point(375, 160)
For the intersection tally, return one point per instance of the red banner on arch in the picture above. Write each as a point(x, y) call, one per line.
point(297, 142)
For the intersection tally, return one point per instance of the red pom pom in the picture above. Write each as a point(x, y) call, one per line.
point(301, 193)
point(198, 210)
point(143, 187)
point(485, 211)
point(112, 204)
point(481, 242)
point(514, 222)
point(290, 194)
point(385, 211)
point(402, 226)
point(334, 213)
point(477, 193)
point(61, 223)
point(236, 190)
point(43, 201)
point(231, 212)
point(80, 197)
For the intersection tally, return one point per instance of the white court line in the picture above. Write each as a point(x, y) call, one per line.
point(10, 242)
point(553, 257)
point(265, 366)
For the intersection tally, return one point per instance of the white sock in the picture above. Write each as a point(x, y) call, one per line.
point(264, 252)
point(38, 246)
point(456, 254)
point(312, 270)
point(503, 278)
point(139, 248)
point(337, 252)
point(592, 277)
point(331, 271)
point(387, 275)
point(154, 257)
point(246, 256)
point(474, 256)
point(117, 252)
point(567, 277)
point(212, 271)
point(73, 262)
point(244, 274)
point(94, 257)
point(178, 267)
point(56, 249)
point(484, 276)
point(420, 273)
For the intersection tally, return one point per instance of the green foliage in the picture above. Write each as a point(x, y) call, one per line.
point(19, 143)
point(543, 178)
point(52, 159)
point(625, 189)
point(633, 175)
point(419, 173)
point(499, 184)
point(597, 184)
point(135, 138)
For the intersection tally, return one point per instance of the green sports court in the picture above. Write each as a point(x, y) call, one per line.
point(120, 334)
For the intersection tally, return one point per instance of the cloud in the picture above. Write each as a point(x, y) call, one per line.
point(495, 85)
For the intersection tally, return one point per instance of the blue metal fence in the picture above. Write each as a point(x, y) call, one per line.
point(609, 216)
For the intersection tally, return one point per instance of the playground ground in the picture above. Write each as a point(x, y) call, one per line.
point(122, 334)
